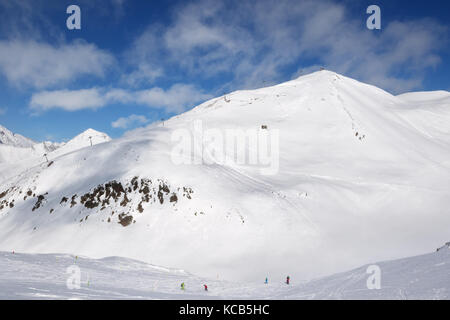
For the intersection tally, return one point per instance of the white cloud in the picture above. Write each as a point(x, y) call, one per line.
point(144, 74)
point(175, 99)
point(69, 100)
point(119, 96)
point(252, 43)
point(20, 19)
point(126, 122)
point(37, 64)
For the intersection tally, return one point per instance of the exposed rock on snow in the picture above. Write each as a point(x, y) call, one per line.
point(446, 246)
point(137, 195)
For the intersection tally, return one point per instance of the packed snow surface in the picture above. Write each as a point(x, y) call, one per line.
point(356, 175)
point(45, 276)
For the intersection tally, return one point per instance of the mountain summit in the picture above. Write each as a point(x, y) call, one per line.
point(87, 138)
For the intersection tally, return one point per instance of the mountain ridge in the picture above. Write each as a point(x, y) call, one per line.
point(9, 138)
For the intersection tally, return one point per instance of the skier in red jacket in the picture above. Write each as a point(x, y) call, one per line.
point(206, 287)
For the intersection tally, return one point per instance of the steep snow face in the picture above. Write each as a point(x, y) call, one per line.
point(352, 179)
point(14, 139)
point(420, 277)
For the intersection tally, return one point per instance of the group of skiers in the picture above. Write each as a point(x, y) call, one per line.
point(183, 286)
point(287, 280)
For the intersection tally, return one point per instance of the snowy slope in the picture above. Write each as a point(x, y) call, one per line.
point(421, 277)
point(83, 140)
point(14, 159)
point(14, 139)
point(429, 113)
point(13, 152)
point(38, 276)
point(358, 181)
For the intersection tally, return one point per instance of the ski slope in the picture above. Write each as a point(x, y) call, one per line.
point(359, 175)
point(15, 158)
point(45, 276)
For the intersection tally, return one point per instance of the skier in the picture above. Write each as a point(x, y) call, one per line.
point(182, 286)
point(206, 287)
point(287, 279)
point(267, 281)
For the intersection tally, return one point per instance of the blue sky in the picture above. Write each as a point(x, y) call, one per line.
point(135, 62)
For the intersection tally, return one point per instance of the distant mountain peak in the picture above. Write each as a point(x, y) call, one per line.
point(13, 139)
point(87, 138)
point(91, 132)
point(18, 148)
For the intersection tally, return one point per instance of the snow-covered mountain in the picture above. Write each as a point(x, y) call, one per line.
point(420, 277)
point(30, 148)
point(14, 139)
point(85, 139)
point(15, 158)
point(355, 174)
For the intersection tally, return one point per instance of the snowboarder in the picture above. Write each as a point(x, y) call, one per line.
point(287, 279)
point(182, 286)
point(206, 287)
point(267, 281)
